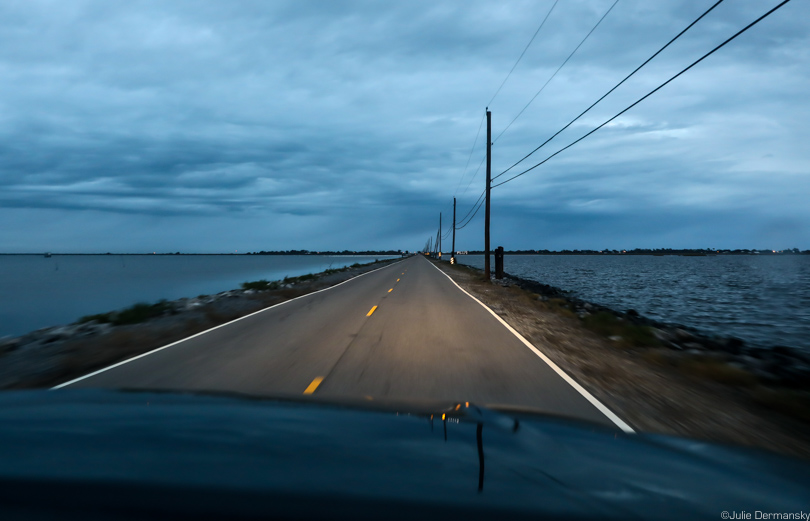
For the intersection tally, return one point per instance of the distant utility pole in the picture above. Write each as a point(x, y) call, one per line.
point(453, 250)
point(489, 182)
point(440, 235)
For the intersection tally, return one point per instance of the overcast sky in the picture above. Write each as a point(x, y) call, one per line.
point(205, 126)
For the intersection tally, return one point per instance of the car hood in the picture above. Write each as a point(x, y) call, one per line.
point(94, 452)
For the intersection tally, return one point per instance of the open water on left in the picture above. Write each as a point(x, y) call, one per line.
point(37, 292)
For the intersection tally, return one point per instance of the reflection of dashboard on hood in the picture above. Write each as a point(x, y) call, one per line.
point(102, 454)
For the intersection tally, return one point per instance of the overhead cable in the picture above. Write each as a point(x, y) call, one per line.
point(611, 90)
point(473, 206)
point(471, 217)
point(470, 156)
point(558, 70)
point(651, 92)
point(524, 52)
point(484, 158)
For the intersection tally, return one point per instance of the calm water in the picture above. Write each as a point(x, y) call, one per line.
point(763, 300)
point(37, 292)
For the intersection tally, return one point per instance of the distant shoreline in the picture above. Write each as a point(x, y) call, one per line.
point(654, 253)
point(251, 254)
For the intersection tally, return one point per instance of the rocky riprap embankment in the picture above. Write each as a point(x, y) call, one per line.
point(51, 336)
point(42, 353)
point(777, 365)
point(56, 354)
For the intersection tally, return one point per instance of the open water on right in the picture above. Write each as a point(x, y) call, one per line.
point(762, 299)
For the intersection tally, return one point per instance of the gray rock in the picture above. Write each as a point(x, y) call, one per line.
point(193, 304)
point(95, 328)
point(615, 338)
point(9, 344)
point(57, 334)
point(683, 335)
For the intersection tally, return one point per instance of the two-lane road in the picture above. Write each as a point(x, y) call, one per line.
point(405, 331)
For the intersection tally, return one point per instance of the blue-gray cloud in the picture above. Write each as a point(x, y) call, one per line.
point(213, 126)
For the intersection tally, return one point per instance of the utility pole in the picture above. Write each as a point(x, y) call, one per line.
point(440, 236)
point(453, 251)
point(489, 182)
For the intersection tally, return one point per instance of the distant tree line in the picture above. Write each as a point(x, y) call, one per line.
point(325, 252)
point(654, 251)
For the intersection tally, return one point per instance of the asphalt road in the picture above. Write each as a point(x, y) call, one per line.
point(405, 331)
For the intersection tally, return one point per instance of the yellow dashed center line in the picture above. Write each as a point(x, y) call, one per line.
point(314, 385)
point(390, 290)
point(397, 280)
point(372, 311)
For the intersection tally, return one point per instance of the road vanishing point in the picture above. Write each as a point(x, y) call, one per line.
point(404, 331)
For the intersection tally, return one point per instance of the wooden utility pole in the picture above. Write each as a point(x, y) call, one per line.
point(436, 245)
point(440, 235)
point(489, 182)
point(453, 251)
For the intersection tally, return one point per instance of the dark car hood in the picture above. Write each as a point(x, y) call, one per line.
point(143, 454)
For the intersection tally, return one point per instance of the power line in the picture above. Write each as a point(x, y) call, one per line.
point(477, 204)
point(480, 125)
point(471, 217)
point(521, 54)
point(473, 206)
point(611, 90)
point(474, 175)
point(555, 72)
point(651, 92)
point(471, 153)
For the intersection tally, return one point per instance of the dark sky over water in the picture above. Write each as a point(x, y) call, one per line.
point(249, 125)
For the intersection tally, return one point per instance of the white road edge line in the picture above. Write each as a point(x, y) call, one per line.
point(588, 396)
point(128, 360)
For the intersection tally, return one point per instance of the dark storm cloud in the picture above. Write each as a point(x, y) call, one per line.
point(348, 124)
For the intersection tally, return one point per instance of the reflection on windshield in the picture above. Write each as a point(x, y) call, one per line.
point(478, 437)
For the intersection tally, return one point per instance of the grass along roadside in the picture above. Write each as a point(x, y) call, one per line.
point(657, 389)
point(50, 356)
